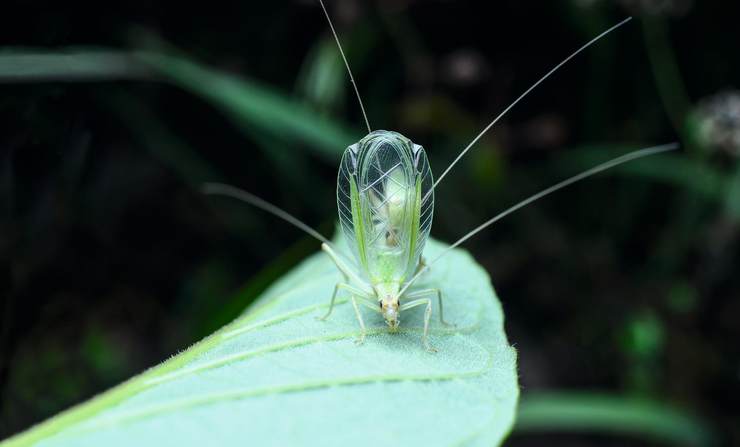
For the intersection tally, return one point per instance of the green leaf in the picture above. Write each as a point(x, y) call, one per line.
point(279, 376)
point(602, 413)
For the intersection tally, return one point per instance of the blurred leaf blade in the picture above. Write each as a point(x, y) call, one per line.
point(675, 169)
point(20, 65)
point(265, 371)
point(321, 78)
point(601, 413)
point(247, 102)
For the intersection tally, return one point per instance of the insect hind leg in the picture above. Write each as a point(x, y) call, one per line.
point(347, 274)
point(421, 265)
point(353, 290)
point(331, 303)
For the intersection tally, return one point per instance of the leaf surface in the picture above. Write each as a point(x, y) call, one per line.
point(279, 376)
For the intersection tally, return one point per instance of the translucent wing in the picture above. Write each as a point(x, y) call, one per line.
point(381, 183)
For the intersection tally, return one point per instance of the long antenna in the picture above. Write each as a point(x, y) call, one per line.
point(346, 64)
point(239, 194)
point(596, 169)
point(506, 110)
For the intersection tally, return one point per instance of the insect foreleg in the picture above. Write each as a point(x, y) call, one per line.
point(438, 292)
point(427, 317)
point(366, 301)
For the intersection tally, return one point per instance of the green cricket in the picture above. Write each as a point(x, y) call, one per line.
point(385, 202)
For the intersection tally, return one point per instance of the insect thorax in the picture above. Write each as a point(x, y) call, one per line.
point(386, 203)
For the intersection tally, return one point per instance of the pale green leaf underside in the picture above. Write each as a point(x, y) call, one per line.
point(278, 376)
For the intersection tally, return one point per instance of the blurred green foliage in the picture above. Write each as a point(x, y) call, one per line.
point(595, 413)
point(112, 260)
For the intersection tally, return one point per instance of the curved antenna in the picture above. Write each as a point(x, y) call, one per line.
point(346, 64)
point(239, 194)
point(526, 92)
point(596, 169)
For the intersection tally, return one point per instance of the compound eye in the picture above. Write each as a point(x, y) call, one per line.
point(380, 303)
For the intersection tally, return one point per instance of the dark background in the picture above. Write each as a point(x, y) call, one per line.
point(111, 260)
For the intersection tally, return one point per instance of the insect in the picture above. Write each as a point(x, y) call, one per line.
point(385, 201)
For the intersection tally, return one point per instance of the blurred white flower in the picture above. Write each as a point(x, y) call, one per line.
point(464, 67)
point(718, 118)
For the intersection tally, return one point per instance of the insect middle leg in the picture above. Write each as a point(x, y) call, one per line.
point(353, 290)
point(367, 301)
point(438, 292)
point(360, 296)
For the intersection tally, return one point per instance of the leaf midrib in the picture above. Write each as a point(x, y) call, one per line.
point(213, 398)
